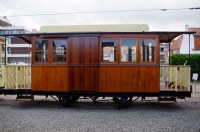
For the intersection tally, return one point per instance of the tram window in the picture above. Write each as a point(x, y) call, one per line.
point(148, 50)
point(128, 50)
point(41, 50)
point(109, 50)
point(59, 50)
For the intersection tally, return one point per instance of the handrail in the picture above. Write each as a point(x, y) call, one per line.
point(17, 77)
point(175, 77)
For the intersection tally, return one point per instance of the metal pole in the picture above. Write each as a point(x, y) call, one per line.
point(195, 87)
point(189, 49)
point(169, 52)
point(5, 50)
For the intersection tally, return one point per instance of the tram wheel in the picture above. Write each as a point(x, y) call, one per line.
point(124, 102)
point(75, 98)
point(65, 100)
point(116, 99)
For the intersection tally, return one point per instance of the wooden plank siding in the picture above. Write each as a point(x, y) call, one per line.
point(49, 78)
point(128, 79)
point(83, 63)
point(83, 78)
point(83, 50)
point(85, 71)
point(129, 76)
point(79, 74)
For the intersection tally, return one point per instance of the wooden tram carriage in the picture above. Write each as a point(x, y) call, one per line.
point(95, 62)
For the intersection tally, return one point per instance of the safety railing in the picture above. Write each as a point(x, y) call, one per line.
point(175, 77)
point(17, 77)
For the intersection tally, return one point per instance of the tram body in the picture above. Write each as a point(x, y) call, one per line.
point(119, 64)
point(85, 70)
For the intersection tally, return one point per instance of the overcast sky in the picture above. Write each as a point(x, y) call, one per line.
point(170, 20)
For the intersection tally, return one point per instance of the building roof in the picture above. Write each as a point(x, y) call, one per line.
point(185, 43)
point(4, 22)
point(34, 30)
point(96, 28)
point(195, 29)
point(177, 44)
point(16, 28)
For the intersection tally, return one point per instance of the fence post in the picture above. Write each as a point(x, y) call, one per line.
point(16, 68)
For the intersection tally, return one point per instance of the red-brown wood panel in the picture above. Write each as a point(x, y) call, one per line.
point(72, 50)
point(82, 78)
point(109, 79)
point(83, 61)
point(128, 79)
point(83, 50)
point(40, 77)
point(149, 79)
point(48, 78)
point(59, 78)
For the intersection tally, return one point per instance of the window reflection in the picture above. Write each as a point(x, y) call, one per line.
point(41, 50)
point(109, 50)
point(148, 50)
point(128, 50)
point(59, 50)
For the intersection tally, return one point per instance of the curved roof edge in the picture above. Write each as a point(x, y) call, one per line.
point(165, 36)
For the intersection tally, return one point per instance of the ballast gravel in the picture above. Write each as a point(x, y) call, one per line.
point(147, 116)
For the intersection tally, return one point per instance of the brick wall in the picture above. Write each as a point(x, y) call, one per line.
point(197, 42)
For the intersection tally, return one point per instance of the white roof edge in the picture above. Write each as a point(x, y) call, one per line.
point(16, 27)
point(19, 45)
point(18, 55)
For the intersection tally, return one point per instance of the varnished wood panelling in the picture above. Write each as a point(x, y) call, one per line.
point(72, 50)
point(83, 78)
point(41, 78)
point(128, 79)
point(59, 78)
point(83, 50)
point(109, 79)
point(48, 78)
point(148, 79)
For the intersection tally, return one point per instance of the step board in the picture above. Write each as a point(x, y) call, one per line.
point(167, 100)
point(24, 98)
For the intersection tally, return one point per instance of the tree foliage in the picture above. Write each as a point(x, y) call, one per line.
point(193, 60)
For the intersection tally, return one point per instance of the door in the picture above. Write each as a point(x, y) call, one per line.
point(83, 64)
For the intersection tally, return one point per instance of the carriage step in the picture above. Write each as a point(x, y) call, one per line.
point(24, 98)
point(167, 100)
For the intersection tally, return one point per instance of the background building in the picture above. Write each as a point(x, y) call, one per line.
point(4, 22)
point(18, 50)
point(181, 44)
point(163, 49)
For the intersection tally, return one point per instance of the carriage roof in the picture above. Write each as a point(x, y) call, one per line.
point(97, 30)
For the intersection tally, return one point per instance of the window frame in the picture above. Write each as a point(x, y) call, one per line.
point(157, 47)
point(33, 53)
point(50, 52)
point(101, 53)
point(131, 62)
